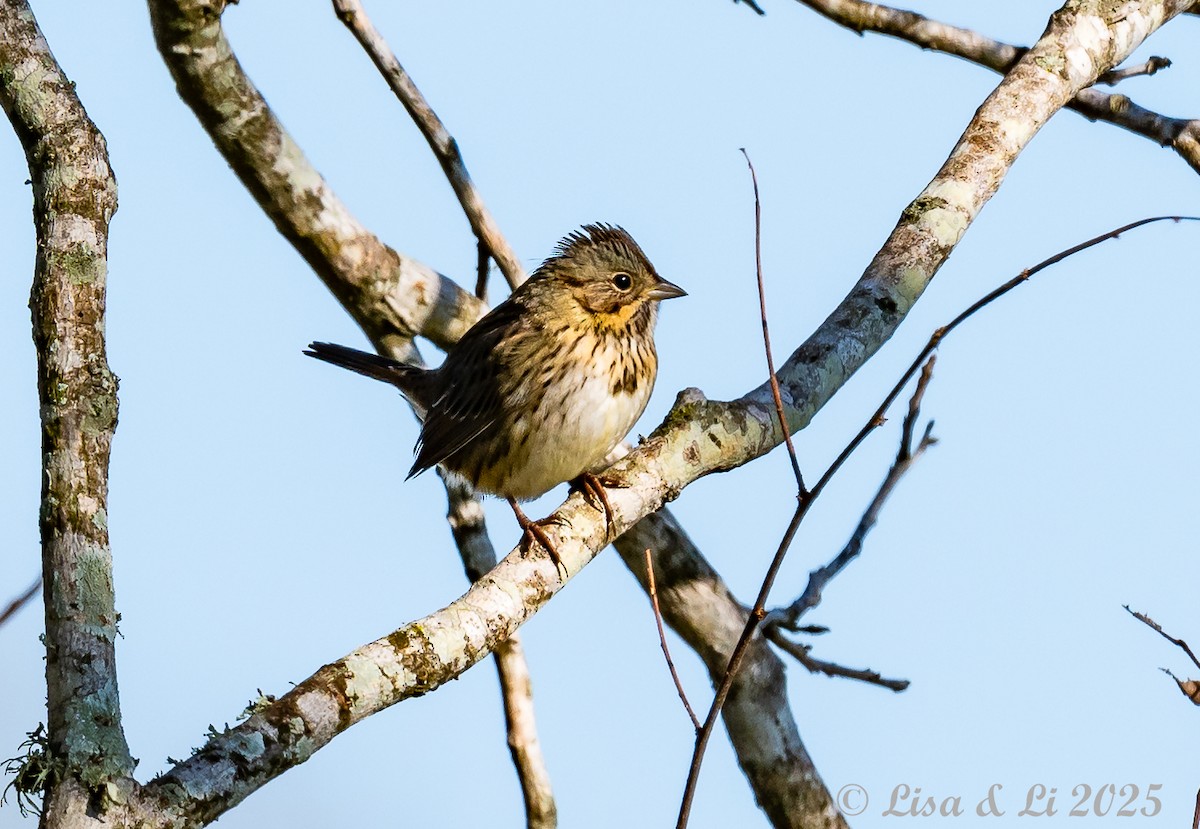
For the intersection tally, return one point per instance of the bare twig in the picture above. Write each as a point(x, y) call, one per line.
point(20, 601)
point(758, 717)
point(1114, 76)
point(662, 639)
point(802, 654)
point(1156, 627)
point(1196, 812)
point(1181, 134)
point(906, 456)
point(801, 490)
point(759, 611)
point(753, 5)
point(444, 147)
point(466, 518)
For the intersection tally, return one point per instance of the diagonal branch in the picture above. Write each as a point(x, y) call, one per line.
point(74, 198)
point(1181, 134)
point(444, 147)
point(906, 456)
point(516, 687)
point(20, 601)
point(392, 297)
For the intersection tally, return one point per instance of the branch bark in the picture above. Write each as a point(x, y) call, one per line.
point(392, 297)
point(74, 198)
point(1181, 134)
point(516, 686)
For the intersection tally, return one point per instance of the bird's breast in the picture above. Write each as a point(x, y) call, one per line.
point(572, 418)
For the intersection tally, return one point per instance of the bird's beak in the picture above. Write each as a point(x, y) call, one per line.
point(665, 290)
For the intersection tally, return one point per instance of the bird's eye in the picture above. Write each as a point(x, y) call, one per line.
point(622, 281)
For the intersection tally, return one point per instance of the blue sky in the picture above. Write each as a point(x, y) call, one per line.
point(261, 525)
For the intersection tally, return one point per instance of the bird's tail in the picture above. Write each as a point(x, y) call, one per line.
point(411, 380)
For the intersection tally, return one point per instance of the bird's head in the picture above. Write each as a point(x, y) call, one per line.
point(606, 273)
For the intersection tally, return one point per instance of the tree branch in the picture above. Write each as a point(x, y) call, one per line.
point(466, 519)
point(444, 147)
point(1181, 134)
point(906, 456)
point(699, 606)
point(392, 297)
point(74, 198)
point(20, 601)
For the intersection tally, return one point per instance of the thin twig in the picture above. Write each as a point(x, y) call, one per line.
point(802, 654)
point(1155, 626)
point(444, 147)
point(759, 611)
point(906, 456)
point(21, 600)
point(1196, 813)
point(802, 491)
point(1181, 134)
point(662, 639)
point(1114, 76)
point(753, 5)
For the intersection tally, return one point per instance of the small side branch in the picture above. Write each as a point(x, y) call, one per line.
point(20, 601)
point(1181, 134)
point(444, 147)
point(652, 589)
point(1189, 687)
point(1114, 76)
point(906, 456)
point(803, 654)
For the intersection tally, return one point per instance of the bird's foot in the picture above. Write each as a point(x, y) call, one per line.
point(533, 531)
point(595, 491)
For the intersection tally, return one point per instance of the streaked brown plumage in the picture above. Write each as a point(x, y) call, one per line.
point(543, 387)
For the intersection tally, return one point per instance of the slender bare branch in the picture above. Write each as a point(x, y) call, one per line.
point(662, 638)
point(803, 654)
point(20, 601)
point(74, 199)
point(801, 489)
point(466, 518)
point(1156, 627)
point(444, 147)
point(1181, 134)
point(906, 456)
point(699, 606)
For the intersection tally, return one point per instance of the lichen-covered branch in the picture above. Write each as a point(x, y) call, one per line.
point(1181, 134)
point(392, 297)
point(74, 198)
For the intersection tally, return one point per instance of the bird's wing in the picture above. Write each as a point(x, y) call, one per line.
point(467, 402)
